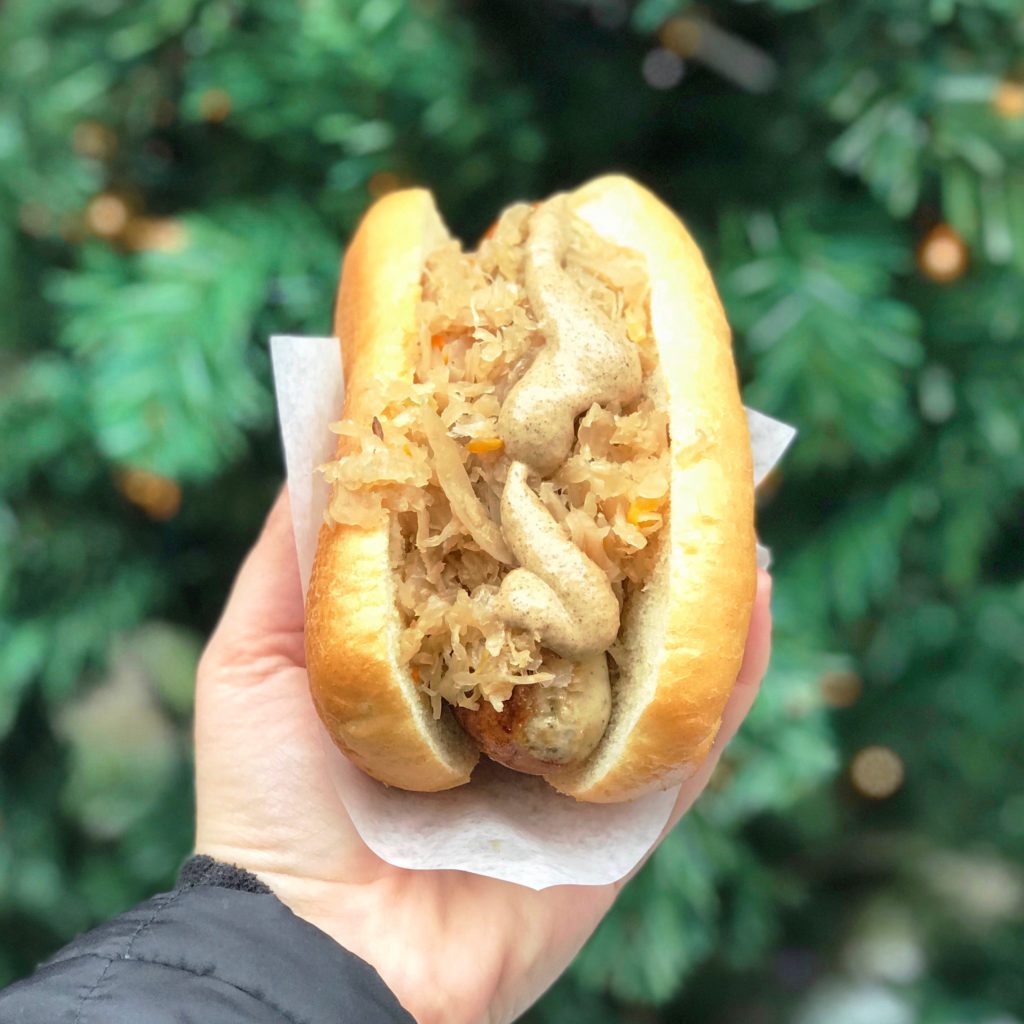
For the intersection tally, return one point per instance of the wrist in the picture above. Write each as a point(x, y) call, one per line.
point(370, 920)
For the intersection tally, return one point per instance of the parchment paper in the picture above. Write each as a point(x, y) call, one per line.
point(502, 824)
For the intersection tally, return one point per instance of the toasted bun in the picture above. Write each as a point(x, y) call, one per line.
point(683, 634)
point(369, 702)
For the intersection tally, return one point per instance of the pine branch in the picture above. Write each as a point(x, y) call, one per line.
point(165, 341)
point(852, 563)
point(662, 924)
point(786, 749)
point(829, 347)
point(918, 130)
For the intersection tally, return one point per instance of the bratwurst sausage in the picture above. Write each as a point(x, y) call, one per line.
point(545, 727)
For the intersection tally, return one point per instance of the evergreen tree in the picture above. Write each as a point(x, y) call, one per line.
point(177, 181)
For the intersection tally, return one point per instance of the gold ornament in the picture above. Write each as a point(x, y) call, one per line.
point(681, 35)
point(158, 496)
point(383, 182)
point(841, 689)
point(214, 105)
point(877, 772)
point(107, 214)
point(1008, 99)
point(94, 139)
point(942, 255)
point(155, 234)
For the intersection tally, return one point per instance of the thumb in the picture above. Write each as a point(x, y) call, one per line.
point(263, 617)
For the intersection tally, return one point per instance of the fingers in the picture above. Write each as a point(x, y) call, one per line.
point(759, 635)
point(748, 682)
point(265, 604)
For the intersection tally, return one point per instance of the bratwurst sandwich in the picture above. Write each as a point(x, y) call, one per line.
point(540, 537)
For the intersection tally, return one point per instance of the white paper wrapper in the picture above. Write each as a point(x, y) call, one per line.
point(503, 824)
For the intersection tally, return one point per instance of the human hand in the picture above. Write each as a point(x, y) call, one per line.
point(452, 946)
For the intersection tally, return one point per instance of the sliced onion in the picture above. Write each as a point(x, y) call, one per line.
point(560, 669)
point(454, 481)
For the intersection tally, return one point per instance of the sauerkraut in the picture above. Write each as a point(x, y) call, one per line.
point(432, 463)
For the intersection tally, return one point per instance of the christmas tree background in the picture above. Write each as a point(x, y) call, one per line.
point(177, 181)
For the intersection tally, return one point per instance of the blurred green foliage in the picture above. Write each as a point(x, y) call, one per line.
point(177, 181)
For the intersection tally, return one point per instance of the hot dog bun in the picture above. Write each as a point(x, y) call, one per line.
point(368, 701)
point(683, 634)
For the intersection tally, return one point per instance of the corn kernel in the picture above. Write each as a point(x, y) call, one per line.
point(437, 340)
point(642, 510)
point(635, 332)
point(485, 444)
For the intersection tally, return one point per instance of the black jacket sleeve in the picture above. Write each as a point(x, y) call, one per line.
point(219, 949)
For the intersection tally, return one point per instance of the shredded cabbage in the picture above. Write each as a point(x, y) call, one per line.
point(430, 458)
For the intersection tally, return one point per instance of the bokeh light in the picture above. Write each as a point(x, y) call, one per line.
point(841, 689)
point(1009, 99)
point(107, 214)
point(214, 105)
point(94, 139)
point(943, 255)
point(158, 496)
point(877, 772)
point(662, 69)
